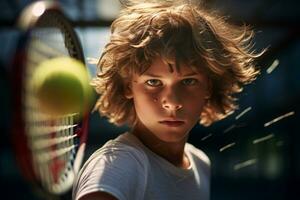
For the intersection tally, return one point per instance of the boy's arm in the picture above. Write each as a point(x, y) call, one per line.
point(98, 196)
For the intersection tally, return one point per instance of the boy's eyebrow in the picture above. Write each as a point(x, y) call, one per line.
point(191, 74)
point(152, 75)
point(158, 76)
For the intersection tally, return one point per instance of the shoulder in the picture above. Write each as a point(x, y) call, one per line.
point(117, 152)
point(120, 149)
point(116, 162)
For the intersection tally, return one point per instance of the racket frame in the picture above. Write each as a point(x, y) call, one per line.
point(28, 21)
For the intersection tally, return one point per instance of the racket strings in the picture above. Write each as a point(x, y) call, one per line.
point(43, 143)
point(71, 43)
point(52, 139)
point(42, 48)
point(53, 146)
point(46, 48)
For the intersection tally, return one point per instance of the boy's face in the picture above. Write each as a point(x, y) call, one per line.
point(167, 102)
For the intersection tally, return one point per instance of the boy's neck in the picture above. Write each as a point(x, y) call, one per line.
point(171, 151)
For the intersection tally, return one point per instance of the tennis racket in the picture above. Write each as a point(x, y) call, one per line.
point(49, 149)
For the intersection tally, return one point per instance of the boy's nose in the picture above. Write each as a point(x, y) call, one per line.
point(172, 106)
point(171, 102)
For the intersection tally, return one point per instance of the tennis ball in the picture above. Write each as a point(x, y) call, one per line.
point(61, 86)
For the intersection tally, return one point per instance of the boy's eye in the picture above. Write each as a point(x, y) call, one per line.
point(189, 81)
point(154, 82)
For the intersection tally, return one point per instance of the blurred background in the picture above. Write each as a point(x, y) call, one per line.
point(254, 153)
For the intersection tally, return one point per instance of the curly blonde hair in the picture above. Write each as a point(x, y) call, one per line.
point(179, 33)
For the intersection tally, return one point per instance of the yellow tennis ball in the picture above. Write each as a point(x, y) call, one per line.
point(61, 86)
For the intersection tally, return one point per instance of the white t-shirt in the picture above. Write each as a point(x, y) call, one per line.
point(128, 170)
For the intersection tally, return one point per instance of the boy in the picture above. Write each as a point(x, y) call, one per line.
point(167, 66)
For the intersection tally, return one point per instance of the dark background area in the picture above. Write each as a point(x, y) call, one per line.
point(249, 159)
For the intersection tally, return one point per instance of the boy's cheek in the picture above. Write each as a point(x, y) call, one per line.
point(144, 92)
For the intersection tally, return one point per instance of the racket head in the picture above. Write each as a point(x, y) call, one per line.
point(48, 149)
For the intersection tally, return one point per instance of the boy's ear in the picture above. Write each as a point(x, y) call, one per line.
point(128, 90)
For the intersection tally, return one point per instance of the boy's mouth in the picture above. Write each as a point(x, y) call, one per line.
point(172, 123)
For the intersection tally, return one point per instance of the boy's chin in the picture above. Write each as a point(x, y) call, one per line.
point(170, 135)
